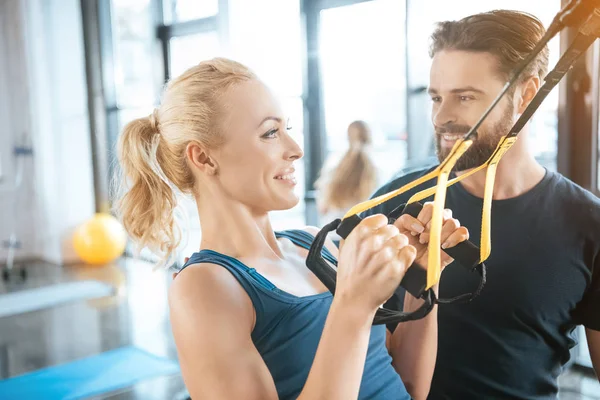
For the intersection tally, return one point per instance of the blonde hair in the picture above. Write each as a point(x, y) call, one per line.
point(354, 178)
point(152, 152)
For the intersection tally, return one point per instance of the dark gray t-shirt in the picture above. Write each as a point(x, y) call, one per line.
point(543, 280)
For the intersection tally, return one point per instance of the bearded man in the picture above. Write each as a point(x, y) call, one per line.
point(544, 270)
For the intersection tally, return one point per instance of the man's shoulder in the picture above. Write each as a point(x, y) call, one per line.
point(575, 199)
point(573, 193)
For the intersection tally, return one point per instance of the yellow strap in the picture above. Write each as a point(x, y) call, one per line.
point(442, 172)
point(366, 205)
point(434, 246)
point(485, 242)
point(423, 194)
point(485, 247)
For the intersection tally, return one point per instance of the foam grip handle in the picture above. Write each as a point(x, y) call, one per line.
point(347, 225)
point(466, 253)
point(415, 280)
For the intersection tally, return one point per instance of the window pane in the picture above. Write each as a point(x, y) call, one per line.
point(187, 51)
point(363, 77)
point(128, 115)
point(137, 66)
point(186, 10)
point(424, 14)
point(266, 36)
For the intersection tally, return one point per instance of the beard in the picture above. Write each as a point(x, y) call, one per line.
point(484, 143)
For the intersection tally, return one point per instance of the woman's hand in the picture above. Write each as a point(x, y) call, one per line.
point(372, 262)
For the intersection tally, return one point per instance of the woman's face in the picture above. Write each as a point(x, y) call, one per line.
point(256, 160)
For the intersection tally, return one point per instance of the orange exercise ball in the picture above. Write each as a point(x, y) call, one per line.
point(100, 240)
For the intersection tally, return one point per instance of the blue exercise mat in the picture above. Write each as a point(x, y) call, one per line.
point(105, 372)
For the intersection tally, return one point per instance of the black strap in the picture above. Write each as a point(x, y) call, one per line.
point(579, 46)
point(465, 253)
point(328, 275)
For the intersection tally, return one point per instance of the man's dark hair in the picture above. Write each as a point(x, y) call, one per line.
point(509, 35)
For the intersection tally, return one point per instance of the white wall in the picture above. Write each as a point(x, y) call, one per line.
point(60, 187)
point(14, 123)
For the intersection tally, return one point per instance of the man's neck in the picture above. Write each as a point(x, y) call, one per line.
point(517, 173)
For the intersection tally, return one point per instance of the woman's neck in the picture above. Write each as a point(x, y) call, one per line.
point(231, 228)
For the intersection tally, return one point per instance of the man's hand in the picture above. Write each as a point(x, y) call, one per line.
point(417, 231)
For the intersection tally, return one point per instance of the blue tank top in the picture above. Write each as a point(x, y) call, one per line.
point(288, 329)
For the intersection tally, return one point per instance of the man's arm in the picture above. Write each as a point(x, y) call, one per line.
point(593, 339)
point(413, 345)
point(588, 314)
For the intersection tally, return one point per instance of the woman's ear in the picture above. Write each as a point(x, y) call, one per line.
point(200, 158)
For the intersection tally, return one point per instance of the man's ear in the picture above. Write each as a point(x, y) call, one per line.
point(200, 158)
point(529, 89)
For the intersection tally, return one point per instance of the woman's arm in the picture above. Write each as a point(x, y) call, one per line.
point(212, 320)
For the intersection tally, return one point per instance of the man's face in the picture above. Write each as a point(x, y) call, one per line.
point(462, 86)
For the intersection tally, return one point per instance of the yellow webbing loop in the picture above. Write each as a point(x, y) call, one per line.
point(434, 247)
point(492, 163)
point(441, 172)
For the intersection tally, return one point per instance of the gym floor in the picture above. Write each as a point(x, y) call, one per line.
point(138, 316)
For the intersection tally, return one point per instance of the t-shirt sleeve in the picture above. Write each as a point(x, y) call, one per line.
point(588, 310)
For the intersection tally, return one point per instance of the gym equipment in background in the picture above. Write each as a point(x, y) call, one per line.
point(12, 244)
point(100, 240)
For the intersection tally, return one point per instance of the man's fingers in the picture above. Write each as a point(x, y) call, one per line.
point(408, 223)
point(459, 235)
point(426, 214)
point(447, 214)
point(448, 228)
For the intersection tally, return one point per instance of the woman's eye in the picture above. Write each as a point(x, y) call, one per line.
point(270, 134)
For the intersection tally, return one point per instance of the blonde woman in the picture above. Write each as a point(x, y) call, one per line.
point(350, 180)
point(250, 321)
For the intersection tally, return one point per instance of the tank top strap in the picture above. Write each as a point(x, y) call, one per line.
point(304, 239)
point(253, 283)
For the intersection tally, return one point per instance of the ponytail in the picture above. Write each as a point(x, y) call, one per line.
point(148, 203)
